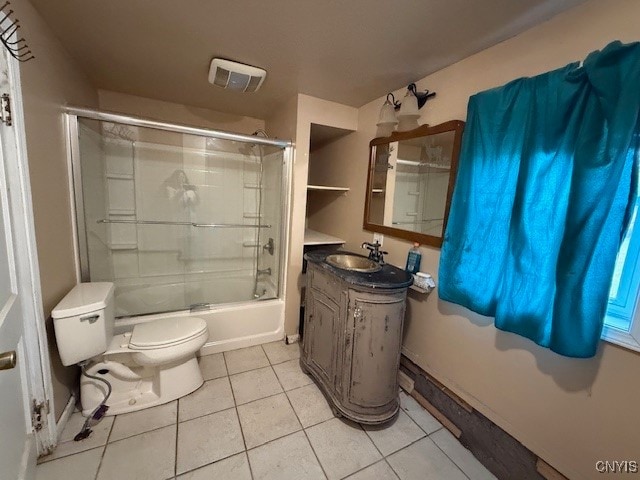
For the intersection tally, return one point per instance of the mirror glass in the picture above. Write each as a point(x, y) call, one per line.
point(411, 177)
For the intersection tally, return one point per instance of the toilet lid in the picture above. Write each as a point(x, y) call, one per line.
point(166, 331)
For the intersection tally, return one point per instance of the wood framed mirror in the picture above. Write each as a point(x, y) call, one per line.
point(410, 182)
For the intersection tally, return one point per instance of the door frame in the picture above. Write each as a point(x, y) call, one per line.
point(40, 384)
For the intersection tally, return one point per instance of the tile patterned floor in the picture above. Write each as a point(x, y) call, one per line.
point(259, 417)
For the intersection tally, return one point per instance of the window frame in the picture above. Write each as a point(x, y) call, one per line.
point(626, 338)
point(626, 305)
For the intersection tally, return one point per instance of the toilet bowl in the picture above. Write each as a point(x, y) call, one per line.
point(153, 364)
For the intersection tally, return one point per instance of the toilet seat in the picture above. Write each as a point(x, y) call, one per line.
point(166, 332)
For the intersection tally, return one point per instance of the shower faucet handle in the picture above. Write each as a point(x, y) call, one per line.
point(269, 247)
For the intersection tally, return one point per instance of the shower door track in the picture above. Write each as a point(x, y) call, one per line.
point(172, 127)
point(186, 224)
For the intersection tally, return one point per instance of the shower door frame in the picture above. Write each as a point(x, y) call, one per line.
point(72, 115)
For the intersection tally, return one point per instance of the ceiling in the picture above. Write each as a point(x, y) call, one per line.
point(349, 52)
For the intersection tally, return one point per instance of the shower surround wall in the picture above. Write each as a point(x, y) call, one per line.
point(148, 200)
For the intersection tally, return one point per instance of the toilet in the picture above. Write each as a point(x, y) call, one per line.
point(153, 364)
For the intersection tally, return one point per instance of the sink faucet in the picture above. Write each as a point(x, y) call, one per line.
point(374, 251)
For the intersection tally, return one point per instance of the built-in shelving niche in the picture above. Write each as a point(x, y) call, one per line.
point(327, 182)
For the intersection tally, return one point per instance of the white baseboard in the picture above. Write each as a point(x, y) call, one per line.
point(64, 418)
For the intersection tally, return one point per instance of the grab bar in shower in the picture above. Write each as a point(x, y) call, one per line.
point(188, 224)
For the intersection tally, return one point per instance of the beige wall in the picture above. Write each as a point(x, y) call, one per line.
point(570, 412)
point(294, 121)
point(177, 113)
point(49, 82)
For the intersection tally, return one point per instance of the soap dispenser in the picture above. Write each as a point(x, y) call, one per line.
point(413, 259)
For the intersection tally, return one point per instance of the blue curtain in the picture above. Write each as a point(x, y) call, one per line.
point(542, 197)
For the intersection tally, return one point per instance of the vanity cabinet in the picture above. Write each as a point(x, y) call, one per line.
point(352, 342)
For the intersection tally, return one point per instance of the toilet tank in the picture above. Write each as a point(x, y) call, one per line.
point(83, 321)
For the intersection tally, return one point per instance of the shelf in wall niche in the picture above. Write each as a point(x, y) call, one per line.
point(121, 211)
point(311, 237)
point(377, 190)
point(327, 188)
point(123, 246)
point(120, 176)
point(254, 186)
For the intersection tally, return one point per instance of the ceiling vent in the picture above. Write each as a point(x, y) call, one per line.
point(235, 76)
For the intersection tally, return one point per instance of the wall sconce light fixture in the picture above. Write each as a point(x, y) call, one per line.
point(407, 118)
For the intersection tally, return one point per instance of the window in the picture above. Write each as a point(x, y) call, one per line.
point(622, 323)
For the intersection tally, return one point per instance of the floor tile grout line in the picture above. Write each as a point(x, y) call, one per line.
point(224, 361)
point(105, 446)
point(246, 456)
point(386, 460)
point(215, 411)
point(211, 463)
point(416, 441)
point(416, 422)
point(251, 369)
point(175, 459)
point(303, 429)
point(246, 452)
point(269, 363)
point(365, 467)
point(451, 459)
point(411, 443)
point(261, 398)
point(284, 361)
point(142, 433)
point(242, 405)
point(235, 407)
point(44, 459)
point(382, 455)
point(244, 440)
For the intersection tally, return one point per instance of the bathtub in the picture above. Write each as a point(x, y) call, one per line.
point(232, 324)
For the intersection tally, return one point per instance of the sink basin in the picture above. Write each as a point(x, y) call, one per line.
point(353, 263)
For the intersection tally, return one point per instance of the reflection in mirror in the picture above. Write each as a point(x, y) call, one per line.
point(410, 180)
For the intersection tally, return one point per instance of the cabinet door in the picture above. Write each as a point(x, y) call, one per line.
point(375, 354)
point(322, 323)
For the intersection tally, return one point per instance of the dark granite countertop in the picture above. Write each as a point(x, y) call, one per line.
point(389, 277)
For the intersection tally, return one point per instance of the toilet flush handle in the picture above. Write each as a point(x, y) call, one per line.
point(90, 318)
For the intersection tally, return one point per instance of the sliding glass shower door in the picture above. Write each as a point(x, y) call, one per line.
point(177, 220)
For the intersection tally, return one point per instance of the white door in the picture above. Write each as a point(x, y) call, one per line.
point(15, 423)
point(24, 364)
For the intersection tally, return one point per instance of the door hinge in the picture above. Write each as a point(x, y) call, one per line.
point(39, 412)
point(5, 109)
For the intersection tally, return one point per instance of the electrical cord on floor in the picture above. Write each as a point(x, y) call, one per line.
point(98, 413)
